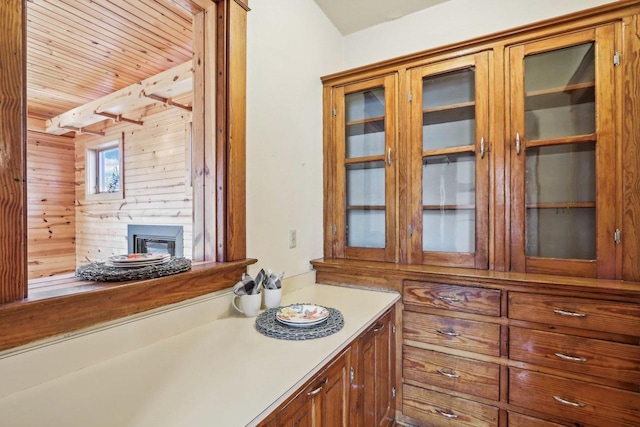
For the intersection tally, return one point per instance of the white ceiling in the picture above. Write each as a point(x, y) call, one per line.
point(350, 16)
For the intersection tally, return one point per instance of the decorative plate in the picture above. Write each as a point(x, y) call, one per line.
point(301, 315)
point(134, 258)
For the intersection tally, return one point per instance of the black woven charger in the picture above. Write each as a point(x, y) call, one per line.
point(267, 324)
point(98, 271)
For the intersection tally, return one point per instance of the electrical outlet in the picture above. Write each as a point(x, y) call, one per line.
point(293, 239)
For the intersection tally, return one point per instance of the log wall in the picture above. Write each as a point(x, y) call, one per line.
point(51, 226)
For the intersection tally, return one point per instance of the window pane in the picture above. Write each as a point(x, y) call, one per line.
point(108, 173)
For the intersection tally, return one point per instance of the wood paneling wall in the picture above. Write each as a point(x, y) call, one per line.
point(51, 225)
point(157, 187)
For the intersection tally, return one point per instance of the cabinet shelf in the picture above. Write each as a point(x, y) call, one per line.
point(366, 208)
point(365, 126)
point(447, 207)
point(367, 159)
point(448, 151)
point(449, 113)
point(580, 93)
point(561, 205)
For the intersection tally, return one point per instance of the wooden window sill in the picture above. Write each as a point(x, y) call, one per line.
point(73, 305)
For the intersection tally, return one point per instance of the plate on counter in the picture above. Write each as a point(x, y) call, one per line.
point(302, 315)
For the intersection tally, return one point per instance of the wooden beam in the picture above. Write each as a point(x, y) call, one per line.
point(117, 118)
point(172, 82)
point(168, 101)
point(231, 130)
point(13, 102)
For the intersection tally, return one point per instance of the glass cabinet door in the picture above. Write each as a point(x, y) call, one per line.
point(365, 135)
point(562, 152)
point(450, 141)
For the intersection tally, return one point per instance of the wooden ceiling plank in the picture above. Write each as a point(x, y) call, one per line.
point(82, 38)
point(117, 15)
point(131, 97)
point(185, 8)
point(151, 20)
point(64, 45)
point(128, 30)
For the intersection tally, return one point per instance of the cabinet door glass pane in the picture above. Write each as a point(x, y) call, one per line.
point(365, 123)
point(449, 230)
point(560, 199)
point(448, 103)
point(365, 184)
point(560, 93)
point(366, 228)
point(448, 195)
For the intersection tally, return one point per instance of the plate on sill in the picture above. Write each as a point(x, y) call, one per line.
point(137, 260)
point(302, 315)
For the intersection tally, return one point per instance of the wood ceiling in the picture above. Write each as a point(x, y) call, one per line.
point(81, 50)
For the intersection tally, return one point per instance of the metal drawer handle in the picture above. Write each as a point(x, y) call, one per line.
point(569, 313)
point(518, 143)
point(448, 333)
point(482, 150)
point(450, 300)
point(317, 389)
point(569, 403)
point(571, 358)
point(389, 156)
point(447, 414)
point(378, 327)
point(451, 374)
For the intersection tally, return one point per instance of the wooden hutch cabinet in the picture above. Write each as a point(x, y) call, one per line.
point(511, 216)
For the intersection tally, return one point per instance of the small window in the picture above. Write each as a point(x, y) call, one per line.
point(104, 169)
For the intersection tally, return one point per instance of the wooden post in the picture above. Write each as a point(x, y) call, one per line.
point(230, 130)
point(13, 268)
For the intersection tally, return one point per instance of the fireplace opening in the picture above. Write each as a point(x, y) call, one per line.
point(156, 239)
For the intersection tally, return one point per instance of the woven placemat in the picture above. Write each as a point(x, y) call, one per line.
point(267, 324)
point(98, 271)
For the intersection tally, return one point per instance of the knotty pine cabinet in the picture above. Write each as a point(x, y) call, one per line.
point(356, 388)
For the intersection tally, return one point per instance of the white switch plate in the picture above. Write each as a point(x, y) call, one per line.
point(293, 239)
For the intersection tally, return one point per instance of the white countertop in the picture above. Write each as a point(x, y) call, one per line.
point(223, 373)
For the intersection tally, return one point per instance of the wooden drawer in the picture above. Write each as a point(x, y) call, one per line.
point(455, 373)
point(519, 420)
point(597, 315)
point(450, 297)
point(588, 356)
point(439, 409)
point(478, 337)
point(575, 400)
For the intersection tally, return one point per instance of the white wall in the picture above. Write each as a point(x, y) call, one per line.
point(290, 44)
point(450, 22)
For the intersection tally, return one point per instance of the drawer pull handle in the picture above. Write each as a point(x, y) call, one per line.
point(446, 414)
point(568, 313)
point(569, 403)
point(448, 333)
point(449, 300)
point(378, 327)
point(450, 374)
point(317, 389)
point(571, 358)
